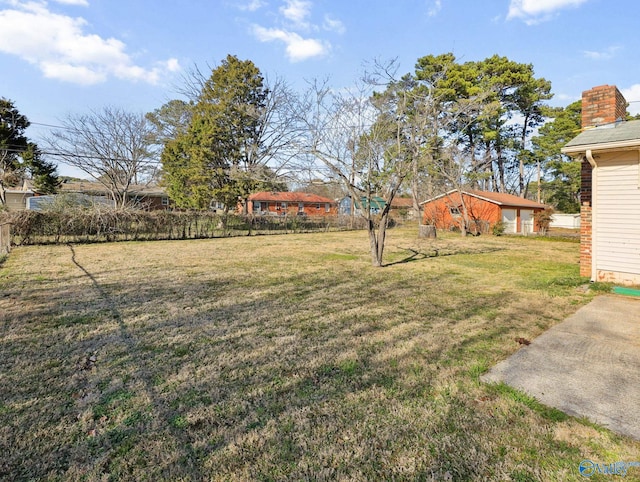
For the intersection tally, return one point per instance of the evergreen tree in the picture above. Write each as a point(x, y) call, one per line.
point(18, 155)
point(563, 187)
point(222, 153)
point(43, 173)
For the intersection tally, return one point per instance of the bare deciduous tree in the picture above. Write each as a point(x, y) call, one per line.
point(356, 135)
point(113, 146)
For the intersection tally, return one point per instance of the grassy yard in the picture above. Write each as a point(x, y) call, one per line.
point(285, 358)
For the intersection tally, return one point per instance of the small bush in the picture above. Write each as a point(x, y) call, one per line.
point(543, 219)
point(498, 228)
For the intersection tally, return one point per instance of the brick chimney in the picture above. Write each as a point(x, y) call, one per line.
point(602, 105)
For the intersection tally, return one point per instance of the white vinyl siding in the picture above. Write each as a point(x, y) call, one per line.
point(617, 217)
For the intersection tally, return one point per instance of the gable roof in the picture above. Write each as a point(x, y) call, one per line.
point(402, 202)
point(614, 136)
point(375, 202)
point(96, 188)
point(289, 197)
point(499, 198)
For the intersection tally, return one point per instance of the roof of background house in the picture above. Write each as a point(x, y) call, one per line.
point(499, 198)
point(618, 135)
point(289, 197)
point(92, 187)
point(402, 202)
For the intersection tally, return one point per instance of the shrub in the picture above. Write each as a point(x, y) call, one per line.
point(543, 219)
point(498, 228)
point(99, 223)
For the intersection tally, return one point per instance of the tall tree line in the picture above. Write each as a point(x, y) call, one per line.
point(20, 157)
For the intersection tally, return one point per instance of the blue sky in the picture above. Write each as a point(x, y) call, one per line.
point(60, 57)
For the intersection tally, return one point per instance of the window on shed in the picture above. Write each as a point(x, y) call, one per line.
point(455, 211)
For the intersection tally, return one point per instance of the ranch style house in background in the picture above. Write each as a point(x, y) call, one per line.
point(267, 203)
point(401, 207)
point(609, 151)
point(484, 208)
point(146, 197)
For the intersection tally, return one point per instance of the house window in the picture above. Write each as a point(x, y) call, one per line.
point(216, 205)
point(300, 207)
point(256, 206)
point(327, 207)
point(264, 206)
point(165, 201)
point(284, 206)
point(318, 206)
point(454, 211)
point(277, 206)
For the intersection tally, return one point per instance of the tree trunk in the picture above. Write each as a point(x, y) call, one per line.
point(376, 259)
point(521, 159)
point(465, 215)
point(427, 231)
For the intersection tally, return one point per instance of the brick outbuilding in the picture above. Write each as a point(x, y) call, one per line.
point(484, 208)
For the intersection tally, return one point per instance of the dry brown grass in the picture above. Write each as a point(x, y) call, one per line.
point(284, 357)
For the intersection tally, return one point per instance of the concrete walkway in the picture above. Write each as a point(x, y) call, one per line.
point(587, 366)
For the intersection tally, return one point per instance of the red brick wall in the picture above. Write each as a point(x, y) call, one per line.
point(585, 239)
point(602, 105)
point(438, 212)
point(310, 209)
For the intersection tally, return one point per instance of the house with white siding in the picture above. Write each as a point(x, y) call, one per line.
point(609, 150)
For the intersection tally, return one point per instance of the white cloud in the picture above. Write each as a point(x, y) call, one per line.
point(535, 11)
point(172, 65)
point(333, 24)
point(297, 47)
point(252, 6)
point(435, 8)
point(62, 50)
point(79, 3)
point(293, 32)
point(632, 95)
point(297, 12)
point(605, 54)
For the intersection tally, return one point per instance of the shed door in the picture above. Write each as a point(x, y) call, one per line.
point(509, 220)
point(617, 218)
point(526, 221)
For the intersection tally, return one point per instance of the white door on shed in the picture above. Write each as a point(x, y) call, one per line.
point(510, 220)
point(526, 221)
point(617, 218)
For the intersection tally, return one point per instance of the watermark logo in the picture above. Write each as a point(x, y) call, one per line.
point(588, 468)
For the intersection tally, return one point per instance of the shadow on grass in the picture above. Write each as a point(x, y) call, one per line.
point(248, 375)
point(435, 253)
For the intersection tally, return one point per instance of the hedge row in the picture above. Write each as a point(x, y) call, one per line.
point(100, 224)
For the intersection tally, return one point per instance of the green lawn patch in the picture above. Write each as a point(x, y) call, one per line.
point(285, 358)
